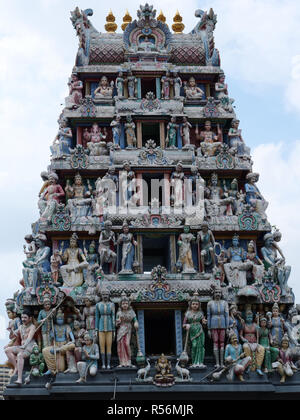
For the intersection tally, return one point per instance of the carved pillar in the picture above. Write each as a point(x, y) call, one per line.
point(140, 253)
point(139, 88)
point(158, 88)
point(122, 138)
point(79, 135)
point(167, 190)
point(173, 257)
point(178, 332)
point(162, 134)
point(179, 138)
point(139, 134)
point(141, 320)
point(207, 90)
point(87, 88)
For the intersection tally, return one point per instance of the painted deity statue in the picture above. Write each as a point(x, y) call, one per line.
point(235, 356)
point(50, 198)
point(235, 321)
point(185, 129)
point(238, 266)
point(285, 365)
point(29, 249)
point(14, 322)
point(193, 323)
point(90, 357)
point(75, 263)
point(277, 326)
point(185, 250)
point(254, 197)
point(62, 143)
point(221, 89)
point(210, 142)
point(60, 355)
point(131, 85)
point(271, 353)
point(92, 258)
point(23, 345)
point(163, 368)
point(196, 196)
point(177, 185)
point(145, 44)
point(89, 317)
point(236, 140)
point(79, 199)
point(129, 245)
point(192, 91)
point(252, 348)
point(106, 240)
point(45, 318)
point(116, 130)
point(39, 265)
point(276, 266)
point(124, 319)
point(79, 334)
point(105, 326)
point(96, 141)
point(55, 264)
point(104, 90)
point(216, 201)
point(130, 133)
point(166, 82)
point(218, 324)
point(73, 101)
point(110, 183)
point(206, 241)
point(120, 80)
point(177, 85)
point(257, 264)
point(172, 129)
point(129, 185)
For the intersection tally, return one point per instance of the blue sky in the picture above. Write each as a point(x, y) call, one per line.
point(259, 42)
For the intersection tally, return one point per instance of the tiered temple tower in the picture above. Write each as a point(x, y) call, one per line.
point(150, 201)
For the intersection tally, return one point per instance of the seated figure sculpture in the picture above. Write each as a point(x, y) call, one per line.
point(50, 199)
point(236, 269)
point(79, 200)
point(96, 141)
point(221, 89)
point(216, 202)
point(236, 140)
point(73, 101)
point(192, 91)
point(62, 143)
point(276, 266)
point(210, 142)
point(254, 197)
point(104, 90)
point(72, 271)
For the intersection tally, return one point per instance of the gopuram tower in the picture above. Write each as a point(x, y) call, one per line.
point(153, 263)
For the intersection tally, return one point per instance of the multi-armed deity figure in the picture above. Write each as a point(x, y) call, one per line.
point(105, 326)
point(62, 143)
point(95, 140)
point(72, 271)
point(218, 324)
point(50, 198)
point(73, 101)
point(106, 240)
point(124, 319)
point(217, 203)
point(238, 265)
point(193, 323)
point(210, 142)
point(79, 199)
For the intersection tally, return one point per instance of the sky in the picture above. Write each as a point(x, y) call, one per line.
point(259, 43)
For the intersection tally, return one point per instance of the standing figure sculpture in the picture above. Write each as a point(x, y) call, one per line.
point(177, 85)
point(131, 85)
point(79, 199)
point(116, 130)
point(185, 251)
point(124, 320)
point(285, 365)
point(120, 80)
point(271, 353)
point(106, 240)
point(206, 241)
point(218, 324)
point(89, 317)
point(172, 128)
point(130, 133)
point(105, 326)
point(129, 245)
point(60, 354)
point(193, 323)
point(185, 129)
point(90, 356)
point(72, 271)
point(252, 348)
point(45, 318)
point(277, 327)
point(166, 82)
point(236, 140)
point(23, 346)
point(14, 321)
point(238, 266)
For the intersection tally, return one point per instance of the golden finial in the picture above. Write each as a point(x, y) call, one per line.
point(126, 20)
point(178, 26)
point(161, 17)
point(111, 26)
